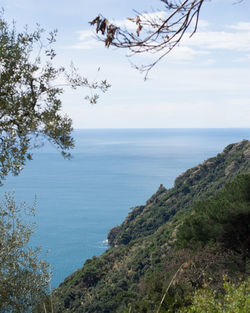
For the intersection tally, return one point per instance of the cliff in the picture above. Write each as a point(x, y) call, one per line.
point(152, 243)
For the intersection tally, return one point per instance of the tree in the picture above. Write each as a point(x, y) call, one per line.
point(224, 219)
point(30, 105)
point(24, 277)
point(30, 113)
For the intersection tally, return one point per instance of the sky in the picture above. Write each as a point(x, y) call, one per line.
point(203, 83)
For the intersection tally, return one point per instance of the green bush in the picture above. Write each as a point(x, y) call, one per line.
point(234, 300)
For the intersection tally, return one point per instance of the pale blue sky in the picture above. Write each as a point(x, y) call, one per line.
point(203, 83)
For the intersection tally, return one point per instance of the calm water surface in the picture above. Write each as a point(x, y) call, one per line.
point(78, 201)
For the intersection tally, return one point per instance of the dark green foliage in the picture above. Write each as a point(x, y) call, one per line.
point(224, 219)
point(151, 246)
point(193, 185)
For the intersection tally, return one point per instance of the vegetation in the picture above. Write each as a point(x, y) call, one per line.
point(193, 185)
point(30, 113)
point(24, 277)
point(224, 219)
point(166, 251)
point(233, 300)
point(30, 110)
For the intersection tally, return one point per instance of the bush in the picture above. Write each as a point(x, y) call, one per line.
point(23, 276)
point(235, 300)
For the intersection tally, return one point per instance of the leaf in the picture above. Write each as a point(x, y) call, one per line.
point(96, 20)
point(138, 20)
point(108, 42)
point(138, 30)
point(110, 35)
point(104, 26)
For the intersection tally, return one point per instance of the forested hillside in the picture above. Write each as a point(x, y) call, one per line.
point(181, 240)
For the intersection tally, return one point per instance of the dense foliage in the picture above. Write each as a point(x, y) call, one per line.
point(150, 260)
point(199, 182)
point(224, 219)
point(235, 299)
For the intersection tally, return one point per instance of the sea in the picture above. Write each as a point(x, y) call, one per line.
point(111, 171)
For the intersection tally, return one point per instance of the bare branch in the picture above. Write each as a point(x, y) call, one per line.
point(153, 33)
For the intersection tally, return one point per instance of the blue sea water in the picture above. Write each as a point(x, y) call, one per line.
point(80, 200)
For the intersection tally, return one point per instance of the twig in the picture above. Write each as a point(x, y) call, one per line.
point(172, 280)
point(44, 306)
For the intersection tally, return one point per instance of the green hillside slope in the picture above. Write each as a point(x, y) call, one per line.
point(178, 241)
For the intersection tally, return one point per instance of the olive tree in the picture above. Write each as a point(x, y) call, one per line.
point(24, 277)
point(30, 113)
point(30, 90)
